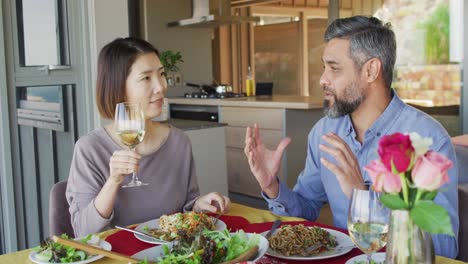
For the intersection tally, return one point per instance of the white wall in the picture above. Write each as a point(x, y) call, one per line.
point(107, 20)
point(193, 43)
point(111, 21)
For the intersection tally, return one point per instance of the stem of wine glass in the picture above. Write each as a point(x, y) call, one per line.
point(134, 174)
point(369, 258)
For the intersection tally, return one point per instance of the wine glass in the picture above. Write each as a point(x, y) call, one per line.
point(368, 221)
point(130, 128)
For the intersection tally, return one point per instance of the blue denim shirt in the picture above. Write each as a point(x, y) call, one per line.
point(316, 185)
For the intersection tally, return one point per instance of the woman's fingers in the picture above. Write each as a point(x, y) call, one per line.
point(213, 202)
point(123, 163)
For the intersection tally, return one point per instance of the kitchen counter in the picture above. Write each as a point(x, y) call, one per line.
point(192, 124)
point(275, 101)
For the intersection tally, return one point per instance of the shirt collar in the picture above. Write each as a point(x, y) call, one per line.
point(389, 115)
point(382, 123)
point(348, 125)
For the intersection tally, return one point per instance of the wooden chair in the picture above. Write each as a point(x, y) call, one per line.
point(462, 160)
point(463, 214)
point(59, 215)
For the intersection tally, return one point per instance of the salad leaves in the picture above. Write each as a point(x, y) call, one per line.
point(50, 251)
point(209, 247)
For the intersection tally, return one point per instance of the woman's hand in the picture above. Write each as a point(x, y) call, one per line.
point(212, 202)
point(122, 163)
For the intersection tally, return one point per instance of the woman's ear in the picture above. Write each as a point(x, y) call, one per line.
point(372, 69)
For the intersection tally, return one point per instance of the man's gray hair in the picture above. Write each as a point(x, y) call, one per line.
point(369, 38)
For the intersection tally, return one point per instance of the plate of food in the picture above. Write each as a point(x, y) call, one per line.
point(209, 247)
point(168, 228)
point(52, 252)
point(299, 242)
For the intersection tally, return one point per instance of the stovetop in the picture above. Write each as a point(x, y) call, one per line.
point(213, 95)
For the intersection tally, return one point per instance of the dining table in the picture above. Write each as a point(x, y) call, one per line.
point(239, 217)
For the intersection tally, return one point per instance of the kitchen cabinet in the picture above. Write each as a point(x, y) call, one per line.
point(275, 124)
point(277, 116)
point(209, 153)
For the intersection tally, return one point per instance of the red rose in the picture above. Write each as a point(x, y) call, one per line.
point(396, 149)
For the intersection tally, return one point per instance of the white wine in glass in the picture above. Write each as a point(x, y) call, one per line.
point(130, 128)
point(368, 222)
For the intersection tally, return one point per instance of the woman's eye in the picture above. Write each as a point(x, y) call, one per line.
point(145, 78)
point(164, 74)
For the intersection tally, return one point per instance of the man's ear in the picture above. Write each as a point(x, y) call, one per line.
point(372, 69)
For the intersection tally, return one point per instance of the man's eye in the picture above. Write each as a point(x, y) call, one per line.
point(145, 78)
point(164, 74)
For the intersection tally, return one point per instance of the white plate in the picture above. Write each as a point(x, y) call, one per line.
point(345, 245)
point(380, 256)
point(102, 243)
point(220, 225)
point(153, 253)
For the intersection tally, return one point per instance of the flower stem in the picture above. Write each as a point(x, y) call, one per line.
point(404, 187)
point(418, 195)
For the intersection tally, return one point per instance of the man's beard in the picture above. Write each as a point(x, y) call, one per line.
point(352, 98)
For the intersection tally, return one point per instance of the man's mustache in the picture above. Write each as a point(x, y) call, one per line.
point(328, 89)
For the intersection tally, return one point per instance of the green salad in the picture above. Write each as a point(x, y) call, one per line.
point(208, 247)
point(50, 251)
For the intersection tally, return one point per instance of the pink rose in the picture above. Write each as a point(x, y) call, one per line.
point(382, 178)
point(430, 171)
point(396, 148)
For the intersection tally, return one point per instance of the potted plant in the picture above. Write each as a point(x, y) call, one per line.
point(170, 60)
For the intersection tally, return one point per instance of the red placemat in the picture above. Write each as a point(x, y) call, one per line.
point(126, 243)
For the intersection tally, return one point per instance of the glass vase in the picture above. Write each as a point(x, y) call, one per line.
point(407, 243)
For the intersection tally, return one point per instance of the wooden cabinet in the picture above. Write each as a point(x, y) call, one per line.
point(275, 124)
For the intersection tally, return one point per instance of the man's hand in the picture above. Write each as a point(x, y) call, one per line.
point(264, 163)
point(347, 171)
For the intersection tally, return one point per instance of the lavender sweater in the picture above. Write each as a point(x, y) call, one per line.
point(170, 172)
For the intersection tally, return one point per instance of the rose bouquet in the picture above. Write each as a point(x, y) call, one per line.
point(409, 175)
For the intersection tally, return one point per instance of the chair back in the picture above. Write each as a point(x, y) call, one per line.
point(463, 214)
point(462, 162)
point(59, 215)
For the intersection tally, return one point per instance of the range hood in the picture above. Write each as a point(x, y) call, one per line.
point(211, 13)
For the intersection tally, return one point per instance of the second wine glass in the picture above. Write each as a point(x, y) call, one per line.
point(130, 128)
point(368, 221)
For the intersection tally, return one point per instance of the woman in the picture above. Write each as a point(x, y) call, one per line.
point(129, 70)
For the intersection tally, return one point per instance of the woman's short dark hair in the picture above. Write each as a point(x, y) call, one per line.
point(114, 64)
point(368, 38)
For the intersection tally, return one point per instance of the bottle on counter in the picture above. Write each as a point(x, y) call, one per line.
point(249, 83)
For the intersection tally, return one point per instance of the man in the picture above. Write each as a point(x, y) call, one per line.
point(360, 108)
